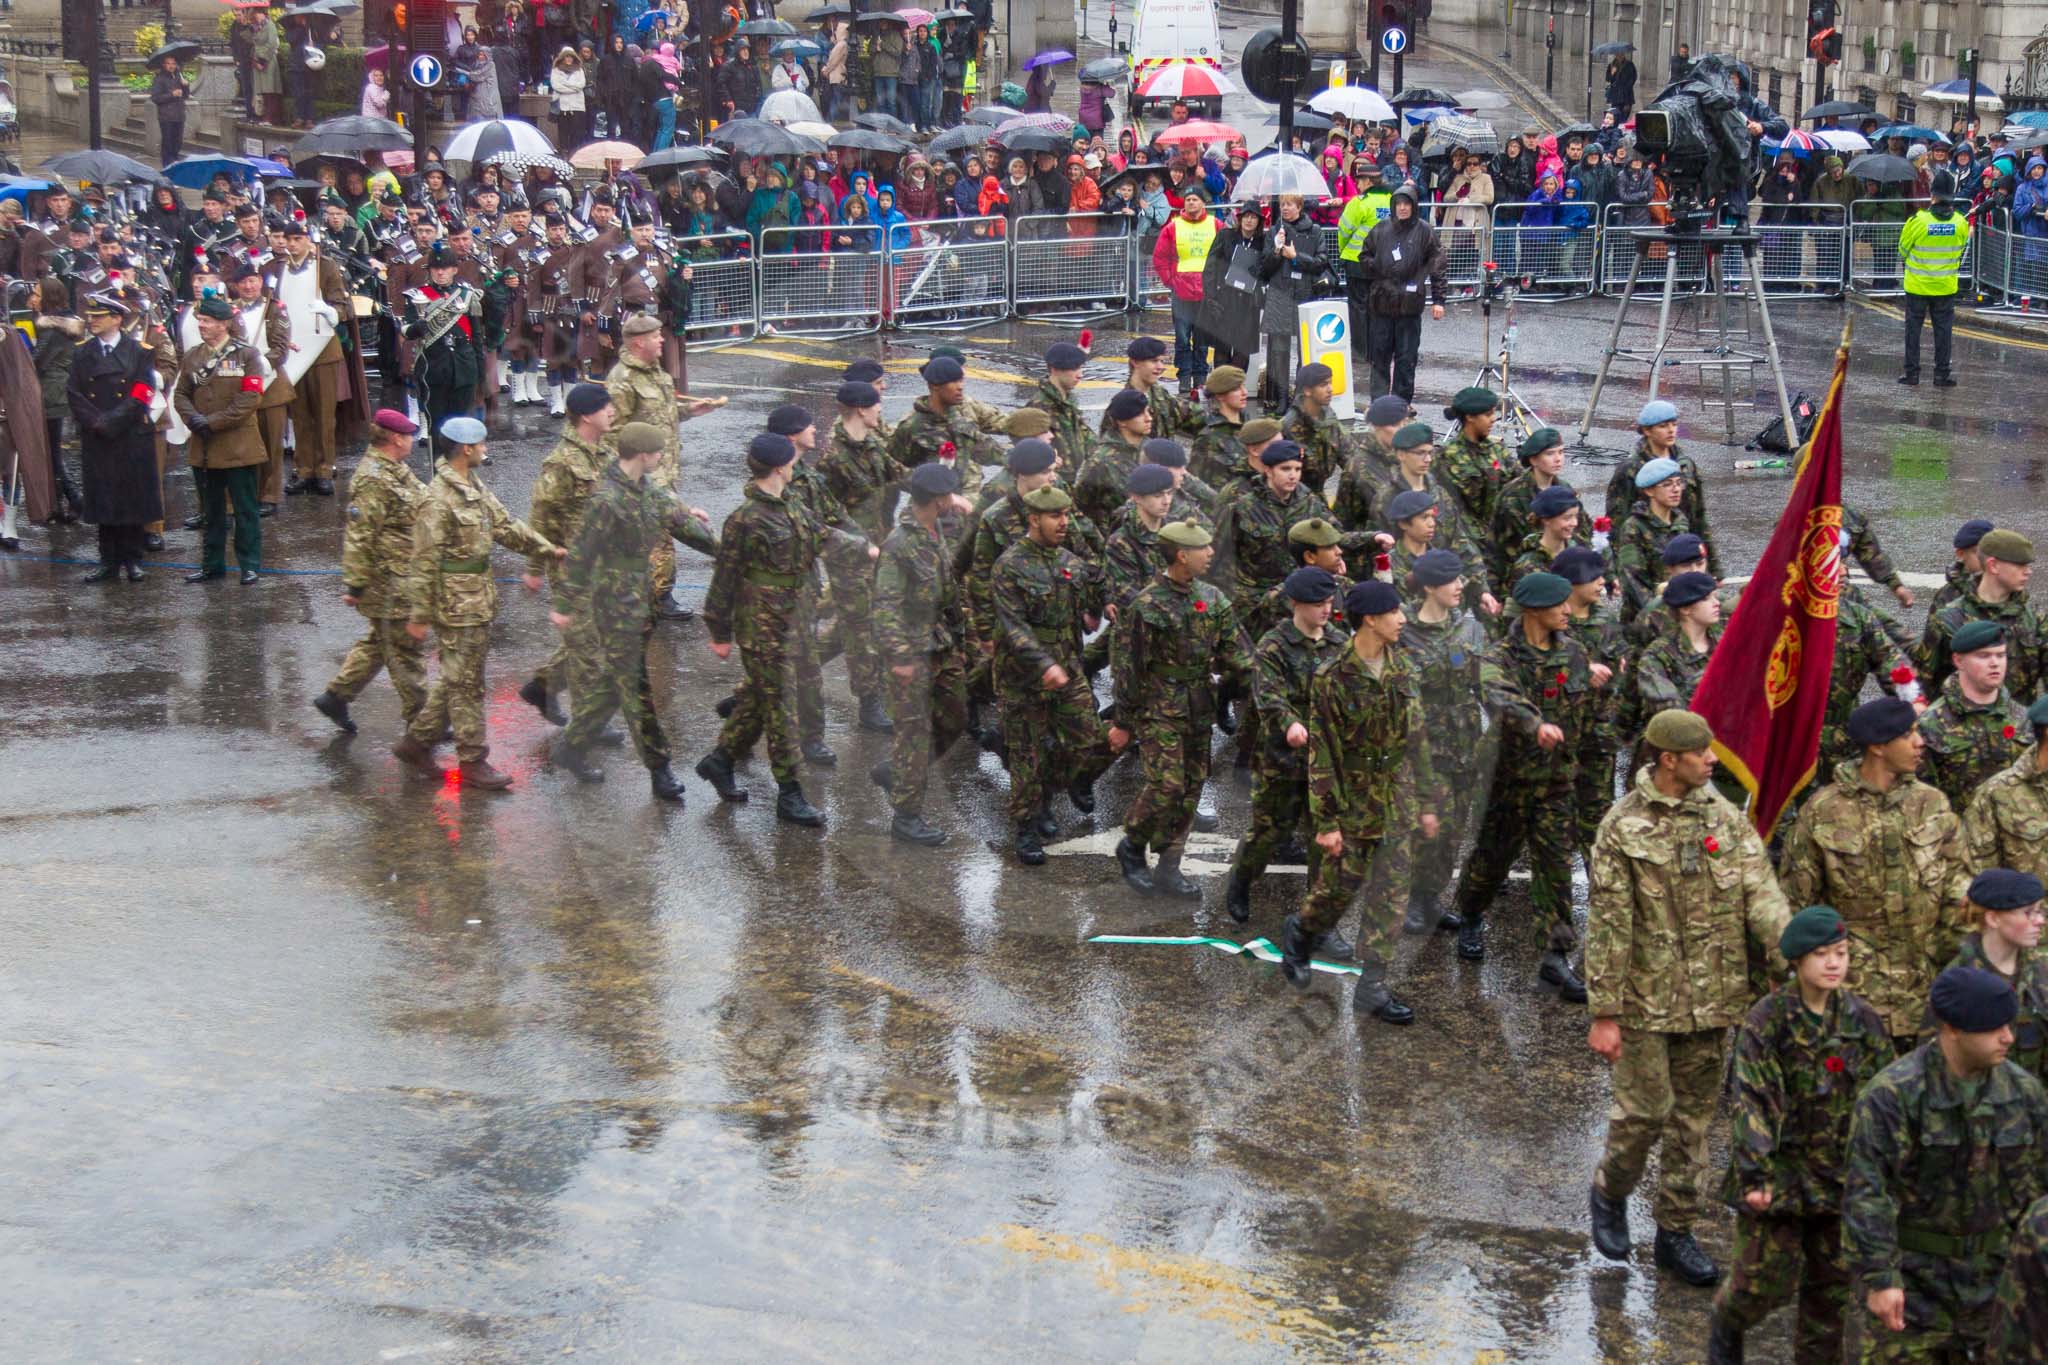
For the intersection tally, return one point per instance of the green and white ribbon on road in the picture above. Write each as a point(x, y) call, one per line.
point(1260, 948)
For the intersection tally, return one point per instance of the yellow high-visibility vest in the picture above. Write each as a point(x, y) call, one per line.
point(1191, 242)
point(1931, 252)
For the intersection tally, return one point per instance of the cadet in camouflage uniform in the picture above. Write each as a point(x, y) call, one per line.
point(449, 588)
point(1801, 1055)
point(1020, 425)
point(1031, 465)
point(1512, 529)
point(1134, 554)
point(1326, 447)
point(863, 478)
point(604, 606)
point(1444, 640)
point(1373, 452)
point(1044, 597)
point(1316, 544)
point(920, 633)
point(1218, 458)
point(1638, 547)
point(642, 391)
point(1284, 661)
point(1679, 885)
point(1365, 498)
point(1658, 423)
point(1172, 642)
point(561, 493)
point(1965, 567)
point(1055, 398)
point(1555, 515)
point(1539, 692)
point(1099, 486)
point(1252, 522)
point(2006, 822)
point(1666, 671)
point(1948, 1149)
point(1975, 727)
point(1595, 622)
point(376, 549)
point(1472, 462)
point(767, 559)
point(942, 429)
point(848, 557)
point(1369, 785)
point(1863, 650)
point(2006, 907)
point(2000, 594)
point(1172, 415)
point(2019, 1309)
point(1886, 851)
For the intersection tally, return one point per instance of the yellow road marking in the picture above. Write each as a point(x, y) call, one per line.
point(1974, 334)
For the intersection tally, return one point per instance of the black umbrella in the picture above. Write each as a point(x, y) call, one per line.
point(1416, 96)
point(1036, 140)
point(774, 28)
point(955, 13)
point(1306, 121)
point(103, 168)
point(1884, 168)
point(834, 10)
point(755, 137)
point(1582, 131)
point(1613, 49)
point(965, 138)
point(1838, 109)
point(881, 17)
point(342, 164)
point(678, 158)
point(352, 135)
point(884, 123)
point(1105, 70)
point(184, 49)
point(868, 140)
point(991, 115)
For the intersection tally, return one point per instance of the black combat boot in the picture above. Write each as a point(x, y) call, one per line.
point(1610, 1226)
point(882, 775)
point(1371, 997)
point(819, 754)
point(1293, 853)
point(1449, 922)
point(1030, 852)
point(668, 609)
point(1237, 897)
point(336, 710)
point(577, 764)
point(724, 706)
point(1724, 1342)
point(873, 716)
point(1168, 880)
point(1047, 826)
point(534, 692)
point(1130, 858)
point(790, 805)
point(1472, 936)
point(910, 827)
point(1556, 970)
point(1678, 1253)
point(667, 786)
point(1205, 821)
point(1418, 917)
point(1297, 946)
point(716, 768)
point(1081, 791)
point(1335, 945)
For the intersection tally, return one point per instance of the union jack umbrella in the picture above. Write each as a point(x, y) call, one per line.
point(1185, 80)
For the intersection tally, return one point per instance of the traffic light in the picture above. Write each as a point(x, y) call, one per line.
point(79, 32)
point(1266, 65)
point(1823, 39)
point(427, 26)
point(1392, 14)
point(383, 21)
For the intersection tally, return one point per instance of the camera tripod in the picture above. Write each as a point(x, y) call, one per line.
point(1713, 243)
point(1495, 373)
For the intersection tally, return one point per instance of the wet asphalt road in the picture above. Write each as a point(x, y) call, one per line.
point(310, 1057)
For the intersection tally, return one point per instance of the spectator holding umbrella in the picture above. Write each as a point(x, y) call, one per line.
point(1292, 265)
point(833, 77)
point(168, 91)
point(1621, 85)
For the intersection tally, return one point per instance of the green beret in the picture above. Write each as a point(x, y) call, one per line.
point(1814, 927)
point(1976, 635)
point(639, 438)
point(1314, 531)
point(1188, 535)
point(2037, 714)
point(2010, 546)
point(1678, 732)
point(1257, 430)
point(1224, 379)
point(1051, 498)
point(215, 307)
point(1412, 436)
point(1471, 402)
point(1541, 591)
point(1538, 441)
point(1027, 422)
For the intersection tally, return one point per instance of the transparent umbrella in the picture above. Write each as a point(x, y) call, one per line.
point(1270, 173)
point(790, 106)
point(1354, 102)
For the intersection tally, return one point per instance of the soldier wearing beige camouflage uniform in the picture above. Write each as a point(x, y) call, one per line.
point(2006, 822)
point(642, 391)
point(450, 589)
point(1883, 848)
point(1679, 883)
point(376, 550)
point(1975, 727)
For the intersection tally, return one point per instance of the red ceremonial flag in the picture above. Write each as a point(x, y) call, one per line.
point(1783, 633)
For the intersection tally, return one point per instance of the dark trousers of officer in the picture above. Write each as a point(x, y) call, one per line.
point(1941, 310)
point(1391, 346)
point(218, 487)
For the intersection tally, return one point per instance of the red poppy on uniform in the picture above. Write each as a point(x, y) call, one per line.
point(1835, 1065)
point(1200, 605)
point(1711, 844)
point(1902, 674)
point(1549, 691)
point(1382, 563)
point(1603, 524)
point(2009, 732)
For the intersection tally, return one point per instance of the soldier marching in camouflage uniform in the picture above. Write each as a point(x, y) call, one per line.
point(1965, 567)
point(1658, 423)
point(1218, 454)
point(1970, 737)
point(941, 429)
point(1055, 398)
point(1172, 642)
point(642, 391)
point(1801, 1055)
point(1513, 529)
point(1326, 447)
point(1444, 639)
point(1656, 520)
point(2006, 906)
point(1172, 415)
point(1999, 595)
point(450, 589)
point(1100, 483)
point(1886, 851)
point(1594, 620)
point(1365, 499)
point(604, 605)
point(1472, 462)
point(1667, 671)
point(1044, 596)
point(1370, 784)
point(1134, 555)
point(376, 551)
point(2006, 822)
point(562, 491)
point(1863, 650)
point(1948, 1148)
point(921, 637)
point(2019, 1309)
point(1253, 520)
point(1679, 882)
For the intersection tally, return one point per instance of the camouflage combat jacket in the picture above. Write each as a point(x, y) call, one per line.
point(1445, 656)
point(1284, 663)
point(1967, 743)
point(1369, 772)
point(1042, 596)
point(561, 495)
point(1069, 435)
point(767, 562)
point(1636, 558)
point(2019, 1309)
point(917, 606)
point(1325, 446)
point(1513, 527)
point(1104, 481)
point(1252, 551)
point(2029, 982)
point(376, 545)
point(1219, 456)
point(2026, 669)
point(642, 391)
point(605, 586)
point(863, 476)
point(2006, 822)
point(1170, 642)
point(1172, 415)
point(1622, 495)
point(1862, 650)
point(449, 579)
point(950, 438)
point(1476, 473)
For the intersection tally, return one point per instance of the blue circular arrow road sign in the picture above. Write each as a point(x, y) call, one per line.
point(426, 71)
point(1394, 41)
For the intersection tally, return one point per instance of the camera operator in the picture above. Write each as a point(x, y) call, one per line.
point(1762, 121)
point(1401, 254)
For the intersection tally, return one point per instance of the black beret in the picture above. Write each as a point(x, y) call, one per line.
point(865, 371)
point(1687, 588)
point(1683, 548)
point(1278, 453)
point(1371, 598)
point(1159, 450)
point(585, 399)
point(1310, 585)
point(1553, 501)
point(1148, 479)
point(1577, 564)
point(1146, 348)
point(1126, 405)
point(2001, 888)
point(1065, 355)
point(1030, 456)
point(1880, 721)
point(1970, 532)
point(1973, 1000)
point(1410, 502)
point(856, 393)
point(930, 482)
point(1313, 374)
point(771, 450)
point(1434, 568)
point(941, 369)
point(790, 419)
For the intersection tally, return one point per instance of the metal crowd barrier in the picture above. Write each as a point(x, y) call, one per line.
point(808, 289)
point(722, 309)
point(1467, 248)
point(956, 274)
point(1561, 258)
point(1874, 248)
point(2012, 268)
point(1793, 258)
point(1056, 271)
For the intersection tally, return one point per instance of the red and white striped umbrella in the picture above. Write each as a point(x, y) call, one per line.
point(1185, 80)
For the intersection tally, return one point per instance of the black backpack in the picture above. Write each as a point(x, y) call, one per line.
point(1772, 437)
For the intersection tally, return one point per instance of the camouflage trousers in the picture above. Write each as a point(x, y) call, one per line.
point(2019, 1312)
point(456, 699)
point(1593, 793)
point(1379, 863)
point(607, 673)
point(663, 563)
point(1433, 857)
point(1665, 1087)
point(1173, 763)
point(765, 703)
point(1539, 820)
point(1774, 1260)
point(386, 645)
point(929, 711)
point(1279, 811)
point(1051, 732)
point(853, 630)
point(1939, 1329)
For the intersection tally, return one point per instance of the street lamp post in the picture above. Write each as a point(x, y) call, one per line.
point(1589, 61)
